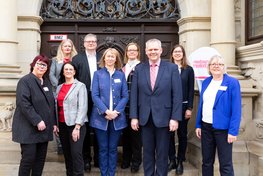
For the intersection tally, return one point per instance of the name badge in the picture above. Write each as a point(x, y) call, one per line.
point(117, 80)
point(223, 88)
point(46, 89)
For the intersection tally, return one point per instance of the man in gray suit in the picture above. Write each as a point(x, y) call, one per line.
point(155, 106)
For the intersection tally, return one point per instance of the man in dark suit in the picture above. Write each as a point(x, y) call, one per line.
point(155, 106)
point(86, 64)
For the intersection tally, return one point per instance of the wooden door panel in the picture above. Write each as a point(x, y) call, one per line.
point(109, 34)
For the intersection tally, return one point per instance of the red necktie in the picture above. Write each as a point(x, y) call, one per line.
point(153, 74)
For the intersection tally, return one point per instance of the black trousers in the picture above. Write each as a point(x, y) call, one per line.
point(182, 139)
point(33, 159)
point(72, 150)
point(212, 139)
point(155, 143)
point(131, 146)
point(89, 138)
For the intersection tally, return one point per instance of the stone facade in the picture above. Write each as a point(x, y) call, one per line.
point(200, 25)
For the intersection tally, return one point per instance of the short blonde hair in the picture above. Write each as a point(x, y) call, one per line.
point(118, 63)
point(126, 51)
point(219, 59)
point(60, 55)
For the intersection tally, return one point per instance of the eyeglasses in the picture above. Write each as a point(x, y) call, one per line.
point(132, 50)
point(177, 51)
point(216, 65)
point(41, 65)
point(90, 41)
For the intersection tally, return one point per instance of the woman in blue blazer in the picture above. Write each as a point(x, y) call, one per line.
point(218, 118)
point(110, 95)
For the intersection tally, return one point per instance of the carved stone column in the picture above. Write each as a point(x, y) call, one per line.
point(223, 29)
point(28, 32)
point(8, 30)
point(194, 25)
point(9, 71)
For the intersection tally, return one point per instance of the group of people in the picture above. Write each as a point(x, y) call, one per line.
point(144, 102)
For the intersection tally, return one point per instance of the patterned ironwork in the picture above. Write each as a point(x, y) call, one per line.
point(109, 9)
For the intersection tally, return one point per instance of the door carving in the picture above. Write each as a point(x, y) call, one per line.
point(115, 22)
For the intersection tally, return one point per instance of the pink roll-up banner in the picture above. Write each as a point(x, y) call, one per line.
point(199, 60)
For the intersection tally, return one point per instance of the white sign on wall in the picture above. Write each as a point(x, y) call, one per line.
point(57, 37)
point(199, 60)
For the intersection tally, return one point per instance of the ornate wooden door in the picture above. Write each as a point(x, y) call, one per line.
point(115, 22)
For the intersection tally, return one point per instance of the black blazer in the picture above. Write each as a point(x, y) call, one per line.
point(187, 79)
point(83, 70)
point(34, 102)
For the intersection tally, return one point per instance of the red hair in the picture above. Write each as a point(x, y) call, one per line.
point(41, 58)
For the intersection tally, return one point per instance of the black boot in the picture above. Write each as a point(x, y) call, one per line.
point(179, 168)
point(171, 165)
point(87, 166)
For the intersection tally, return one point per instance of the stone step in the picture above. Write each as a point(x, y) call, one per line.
point(54, 165)
point(58, 169)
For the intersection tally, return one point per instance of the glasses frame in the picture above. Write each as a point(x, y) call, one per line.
point(90, 41)
point(39, 64)
point(217, 65)
point(132, 50)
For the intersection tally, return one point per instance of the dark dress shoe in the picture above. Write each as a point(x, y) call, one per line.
point(134, 169)
point(179, 168)
point(59, 151)
point(96, 164)
point(171, 165)
point(125, 165)
point(87, 167)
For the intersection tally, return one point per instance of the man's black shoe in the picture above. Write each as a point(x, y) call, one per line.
point(59, 151)
point(87, 167)
point(171, 165)
point(134, 169)
point(125, 165)
point(179, 168)
point(96, 164)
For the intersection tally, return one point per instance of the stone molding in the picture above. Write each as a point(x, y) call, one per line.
point(31, 18)
point(223, 42)
point(250, 53)
point(29, 23)
point(194, 23)
point(8, 41)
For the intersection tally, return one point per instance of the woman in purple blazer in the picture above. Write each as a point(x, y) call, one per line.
point(218, 118)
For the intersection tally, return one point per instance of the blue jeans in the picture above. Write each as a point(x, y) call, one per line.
point(108, 153)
